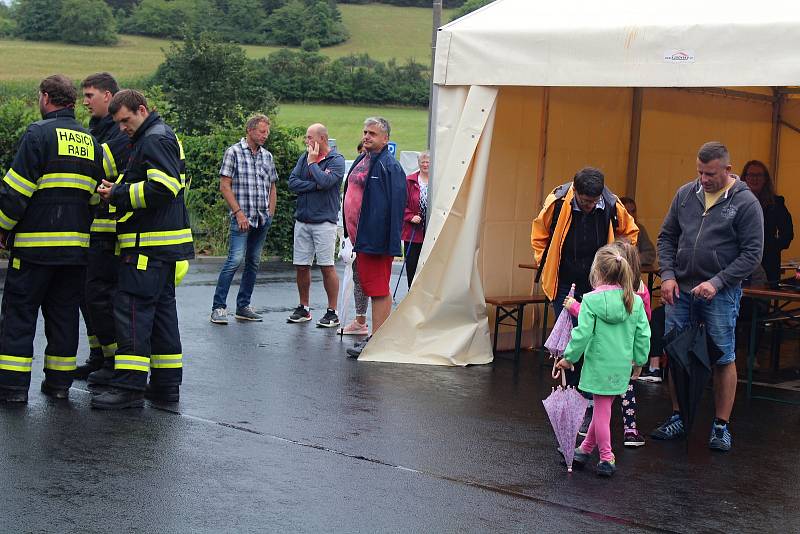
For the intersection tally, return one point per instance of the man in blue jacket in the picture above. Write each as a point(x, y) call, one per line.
point(374, 205)
point(317, 179)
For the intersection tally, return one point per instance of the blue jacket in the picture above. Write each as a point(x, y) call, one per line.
point(317, 187)
point(381, 221)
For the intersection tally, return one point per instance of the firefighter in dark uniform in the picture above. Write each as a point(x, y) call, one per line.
point(101, 271)
point(44, 216)
point(154, 238)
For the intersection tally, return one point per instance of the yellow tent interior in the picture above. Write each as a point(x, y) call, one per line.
point(644, 139)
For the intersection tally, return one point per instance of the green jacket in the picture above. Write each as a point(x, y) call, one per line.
point(610, 339)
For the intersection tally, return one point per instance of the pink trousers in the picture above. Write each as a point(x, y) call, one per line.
point(599, 434)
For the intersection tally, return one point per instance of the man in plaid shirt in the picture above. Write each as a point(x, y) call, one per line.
point(247, 182)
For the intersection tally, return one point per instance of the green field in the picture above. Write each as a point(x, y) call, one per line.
point(381, 31)
point(345, 123)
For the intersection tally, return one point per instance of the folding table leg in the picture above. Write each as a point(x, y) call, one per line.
point(518, 341)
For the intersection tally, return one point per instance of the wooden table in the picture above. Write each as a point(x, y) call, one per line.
point(768, 294)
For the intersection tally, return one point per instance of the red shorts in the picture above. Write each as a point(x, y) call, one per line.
point(374, 273)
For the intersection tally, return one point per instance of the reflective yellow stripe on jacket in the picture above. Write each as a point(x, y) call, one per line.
point(156, 239)
point(109, 165)
point(6, 222)
point(136, 192)
point(51, 239)
point(19, 184)
point(170, 182)
point(68, 179)
point(103, 226)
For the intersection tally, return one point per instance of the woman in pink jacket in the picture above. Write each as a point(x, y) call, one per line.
point(414, 219)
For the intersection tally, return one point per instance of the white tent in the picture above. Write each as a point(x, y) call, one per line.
point(526, 92)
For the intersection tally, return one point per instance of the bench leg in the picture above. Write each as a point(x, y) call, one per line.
point(518, 340)
point(496, 329)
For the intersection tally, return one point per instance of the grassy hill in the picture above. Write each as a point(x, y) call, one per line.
point(381, 31)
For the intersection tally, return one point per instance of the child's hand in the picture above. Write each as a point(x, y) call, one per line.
point(564, 364)
point(568, 302)
point(636, 372)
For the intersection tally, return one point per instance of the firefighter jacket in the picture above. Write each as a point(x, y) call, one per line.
point(44, 196)
point(153, 220)
point(116, 147)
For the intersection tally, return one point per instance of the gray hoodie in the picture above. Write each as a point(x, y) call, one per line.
point(723, 246)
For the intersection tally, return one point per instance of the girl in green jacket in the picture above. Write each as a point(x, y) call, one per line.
point(612, 335)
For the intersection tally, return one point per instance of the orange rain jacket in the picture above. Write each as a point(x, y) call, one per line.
point(540, 234)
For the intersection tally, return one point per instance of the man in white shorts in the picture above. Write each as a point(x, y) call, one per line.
point(317, 180)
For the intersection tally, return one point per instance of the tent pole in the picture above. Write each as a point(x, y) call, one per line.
point(633, 145)
point(775, 138)
point(437, 21)
point(544, 119)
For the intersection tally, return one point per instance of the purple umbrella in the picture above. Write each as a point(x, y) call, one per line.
point(565, 407)
point(561, 333)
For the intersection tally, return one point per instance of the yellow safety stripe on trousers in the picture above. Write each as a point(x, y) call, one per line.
point(103, 226)
point(6, 222)
point(136, 193)
point(51, 239)
point(60, 363)
point(109, 350)
point(170, 182)
point(20, 364)
point(131, 363)
point(156, 239)
point(109, 165)
point(19, 184)
point(68, 180)
point(166, 361)
point(94, 343)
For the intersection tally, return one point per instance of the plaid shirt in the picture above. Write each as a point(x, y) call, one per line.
point(252, 177)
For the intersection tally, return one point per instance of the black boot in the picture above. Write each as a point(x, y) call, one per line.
point(165, 394)
point(91, 365)
point(118, 399)
point(13, 395)
point(101, 377)
point(55, 392)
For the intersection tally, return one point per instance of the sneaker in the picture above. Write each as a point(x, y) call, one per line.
point(580, 458)
point(633, 439)
point(247, 314)
point(356, 329)
point(355, 350)
point(672, 428)
point(720, 438)
point(656, 376)
point(606, 469)
point(587, 420)
point(299, 315)
point(329, 320)
point(219, 316)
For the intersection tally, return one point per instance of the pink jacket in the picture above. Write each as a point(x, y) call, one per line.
point(412, 208)
point(643, 293)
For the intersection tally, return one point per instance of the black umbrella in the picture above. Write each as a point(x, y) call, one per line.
point(692, 356)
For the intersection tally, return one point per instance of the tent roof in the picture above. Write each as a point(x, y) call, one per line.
point(619, 43)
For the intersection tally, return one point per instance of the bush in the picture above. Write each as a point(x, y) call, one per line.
point(469, 6)
point(211, 84)
point(37, 19)
point(15, 116)
point(406, 3)
point(169, 18)
point(87, 22)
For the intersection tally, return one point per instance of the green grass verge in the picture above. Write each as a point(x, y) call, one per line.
point(381, 31)
point(345, 123)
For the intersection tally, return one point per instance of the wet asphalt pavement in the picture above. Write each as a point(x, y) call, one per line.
point(277, 431)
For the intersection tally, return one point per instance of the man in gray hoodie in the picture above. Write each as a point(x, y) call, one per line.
point(711, 240)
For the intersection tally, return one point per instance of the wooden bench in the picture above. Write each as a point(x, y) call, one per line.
point(512, 308)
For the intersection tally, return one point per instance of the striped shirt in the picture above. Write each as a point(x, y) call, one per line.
point(252, 177)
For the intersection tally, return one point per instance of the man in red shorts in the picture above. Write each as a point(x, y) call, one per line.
point(374, 204)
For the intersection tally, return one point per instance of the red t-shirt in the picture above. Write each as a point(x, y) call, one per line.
point(355, 194)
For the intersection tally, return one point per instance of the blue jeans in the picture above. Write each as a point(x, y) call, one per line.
point(245, 246)
point(719, 315)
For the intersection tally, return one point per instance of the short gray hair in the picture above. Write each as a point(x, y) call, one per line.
point(381, 122)
point(424, 154)
point(714, 150)
point(255, 120)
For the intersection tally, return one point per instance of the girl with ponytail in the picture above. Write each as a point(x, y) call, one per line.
point(613, 334)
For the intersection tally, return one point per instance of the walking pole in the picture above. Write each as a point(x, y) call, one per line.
point(403, 268)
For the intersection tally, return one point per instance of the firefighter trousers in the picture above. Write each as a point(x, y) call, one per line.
point(101, 285)
point(146, 321)
point(56, 290)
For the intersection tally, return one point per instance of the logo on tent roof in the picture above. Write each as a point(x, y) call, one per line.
point(679, 56)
